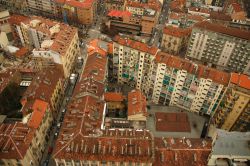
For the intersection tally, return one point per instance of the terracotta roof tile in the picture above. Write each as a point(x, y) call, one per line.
point(113, 96)
point(177, 32)
point(220, 16)
point(15, 140)
point(17, 19)
point(136, 45)
point(119, 13)
point(237, 7)
point(39, 108)
point(182, 151)
point(241, 80)
point(224, 30)
point(172, 122)
point(200, 71)
point(137, 103)
point(77, 3)
point(22, 52)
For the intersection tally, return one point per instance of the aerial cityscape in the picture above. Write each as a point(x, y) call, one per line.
point(124, 82)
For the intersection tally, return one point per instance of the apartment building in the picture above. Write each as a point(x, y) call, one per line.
point(139, 18)
point(77, 11)
point(235, 154)
point(5, 28)
point(14, 5)
point(179, 82)
point(15, 23)
point(137, 109)
point(205, 12)
point(225, 47)
point(49, 86)
point(42, 7)
point(175, 40)
point(24, 140)
point(53, 40)
point(233, 111)
point(115, 5)
point(183, 20)
point(193, 151)
point(131, 61)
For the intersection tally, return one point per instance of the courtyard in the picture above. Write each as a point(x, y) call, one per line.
point(195, 121)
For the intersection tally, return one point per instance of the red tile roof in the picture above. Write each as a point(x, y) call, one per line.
point(15, 140)
point(113, 96)
point(17, 19)
point(119, 13)
point(136, 45)
point(44, 83)
point(172, 122)
point(22, 52)
point(182, 151)
point(137, 103)
point(220, 16)
point(237, 7)
point(200, 71)
point(241, 80)
point(177, 32)
point(95, 47)
point(38, 111)
point(152, 4)
point(95, 67)
point(61, 39)
point(111, 145)
point(77, 3)
point(224, 30)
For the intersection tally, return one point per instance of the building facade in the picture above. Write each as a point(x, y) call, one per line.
point(53, 40)
point(74, 11)
point(235, 154)
point(227, 48)
point(174, 40)
point(115, 5)
point(24, 141)
point(139, 18)
point(42, 7)
point(233, 111)
point(179, 82)
point(131, 61)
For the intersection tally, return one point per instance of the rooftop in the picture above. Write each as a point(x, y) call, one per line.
point(220, 16)
point(43, 84)
point(240, 80)
point(137, 103)
point(77, 3)
point(113, 97)
point(234, 144)
point(152, 4)
point(135, 45)
point(17, 19)
point(177, 32)
point(15, 140)
point(200, 71)
point(119, 13)
point(237, 7)
point(182, 151)
point(172, 122)
point(38, 111)
point(95, 67)
point(61, 34)
point(243, 34)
